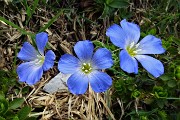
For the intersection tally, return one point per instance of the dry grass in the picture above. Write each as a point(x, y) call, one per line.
point(63, 105)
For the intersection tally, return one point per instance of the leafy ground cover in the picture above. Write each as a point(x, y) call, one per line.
point(131, 97)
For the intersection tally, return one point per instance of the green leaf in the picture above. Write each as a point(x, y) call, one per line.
point(141, 112)
point(35, 4)
point(10, 114)
point(2, 97)
point(171, 83)
point(16, 103)
point(152, 31)
point(24, 112)
point(16, 118)
point(118, 4)
point(106, 11)
point(1, 118)
point(166, 77)
point(109, 1)
point(161, 103)
point(3, 105)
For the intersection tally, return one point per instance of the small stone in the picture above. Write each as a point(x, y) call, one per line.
point(58, 83)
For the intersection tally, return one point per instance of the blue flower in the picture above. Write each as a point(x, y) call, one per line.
point(127, 37)
point(86, 68)
point(35, 61)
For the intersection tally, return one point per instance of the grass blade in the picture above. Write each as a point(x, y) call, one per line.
point(51, 21)
point(35, 4)
point(16, 26)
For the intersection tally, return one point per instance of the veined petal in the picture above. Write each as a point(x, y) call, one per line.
point(68, 64)
point(117, 35)
point(27, 52)
point(150, 45)
point(102, 59)
point(128, 63)
point(132, 30)
point(100, 81)
point(41, 41)
point(77, 83)
point(84, 50)
point(49, 60)
point(152, 65)
point(29, 72)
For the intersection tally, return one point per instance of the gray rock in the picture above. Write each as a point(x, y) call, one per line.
point(58, 83)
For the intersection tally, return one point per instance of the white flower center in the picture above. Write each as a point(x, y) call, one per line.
point(133, 49)
point(40, 60)
point(86, 68)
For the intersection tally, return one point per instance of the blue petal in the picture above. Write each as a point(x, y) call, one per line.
point(68, 64)
point(41, 41)
point(152, 65)
point(100, 81)
point(128, 63)
point(84, 50)
point(102, 59)
point(49, 60)
point(77, 83)
point(29, 72)
point(132, 30)
point(117, 35)
point(27, 52)
point(150, 45)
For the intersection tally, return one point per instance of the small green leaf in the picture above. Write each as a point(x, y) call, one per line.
point(136, 93)
point(10, 114)
point(24, 112)
point(16, 103)
point(166, 77)
point(3, 105)
point(106, 11)
point(161, 103)
point(108, 1)
point(2, 96)
point(148, 101)
point(118, 4)
point(171, 83)
point(16, 118)
point(1, 118)
point(152, 31)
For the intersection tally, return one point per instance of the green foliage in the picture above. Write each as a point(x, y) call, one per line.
point(117, 3)
point(16, 103)
point(30, 10)
point(159, 92)
point(7, 80)
point(154, 95)
point(11, 110)
point(109, 6)
point(143, 96)
point(24, 112)
point(136, 93)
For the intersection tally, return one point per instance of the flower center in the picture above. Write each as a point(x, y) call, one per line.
point(40, 60)
point(132, 49)
point(86, 68)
